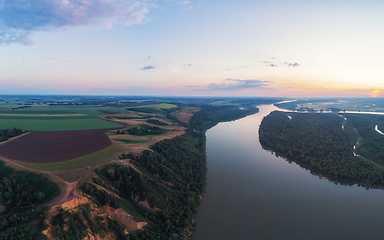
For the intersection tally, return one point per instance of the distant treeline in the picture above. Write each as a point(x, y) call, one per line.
point(10, 133)
point(157, 122)
point(318, 142)
point(209, 116)
point(143, 130)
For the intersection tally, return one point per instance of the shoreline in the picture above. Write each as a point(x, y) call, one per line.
point(330, 178)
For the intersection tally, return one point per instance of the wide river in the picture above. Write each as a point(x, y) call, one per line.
point(252, 194)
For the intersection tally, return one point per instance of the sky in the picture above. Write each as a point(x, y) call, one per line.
point(276, 48)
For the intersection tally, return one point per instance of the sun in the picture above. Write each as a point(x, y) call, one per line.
point(376, 92)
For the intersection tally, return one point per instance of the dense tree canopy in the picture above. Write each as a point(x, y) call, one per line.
point(23, 194)
point(372, 142)
point(318, 142)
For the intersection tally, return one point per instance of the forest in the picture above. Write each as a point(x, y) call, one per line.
point(22, 197)
point(209, 116)
point(372, 142)
point(179, 161)
point(318, 142)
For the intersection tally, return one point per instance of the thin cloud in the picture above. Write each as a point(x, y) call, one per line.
point(269, 64)
point(287, 64)
point(180, 68)
point(291, 64)
point(21, 18)
point(187, 4)
point(235, 84)
point(148, 67)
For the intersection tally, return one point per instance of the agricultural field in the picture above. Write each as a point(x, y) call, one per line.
point(56, 119)
point(68, 135)
point(185, 114)
point(159, 106)
point(55, 146)
point(62, 132)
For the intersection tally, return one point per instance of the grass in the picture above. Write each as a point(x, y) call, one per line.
point(190, 109)
point(57, 124)
point(81, 162)
point(70, 176)
point(126, 141)
point(58, 118)
point(130, 209)
point(159, 106)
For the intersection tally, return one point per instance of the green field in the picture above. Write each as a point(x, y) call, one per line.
point(71, 175)
point(56, 118)
point(81, 162)
point(126, 141)
point(61, 124)
point(159, 106)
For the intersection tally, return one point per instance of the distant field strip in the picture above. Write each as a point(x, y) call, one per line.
point(159, 106)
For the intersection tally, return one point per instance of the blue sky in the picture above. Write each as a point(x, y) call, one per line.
point(192, 48)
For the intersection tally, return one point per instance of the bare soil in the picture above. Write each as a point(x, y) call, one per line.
point(55, 146)
point(185, 114)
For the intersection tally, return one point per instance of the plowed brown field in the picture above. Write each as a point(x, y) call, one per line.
point(55, 146)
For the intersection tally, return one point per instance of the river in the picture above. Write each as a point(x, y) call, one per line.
point(252, 194)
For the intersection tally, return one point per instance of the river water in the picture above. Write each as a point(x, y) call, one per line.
point(252, 194)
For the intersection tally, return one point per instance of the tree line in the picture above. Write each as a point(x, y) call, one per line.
point(10, 133)
point(142, 131)
point(209, 116)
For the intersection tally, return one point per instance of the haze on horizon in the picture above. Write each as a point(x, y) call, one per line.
point(192, 48)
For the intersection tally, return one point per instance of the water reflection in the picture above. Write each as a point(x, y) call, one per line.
point(314, 173)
